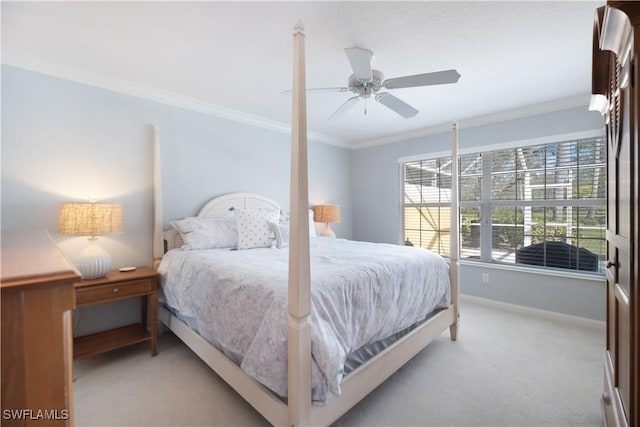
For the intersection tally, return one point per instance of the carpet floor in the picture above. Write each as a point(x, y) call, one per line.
point(509, 367)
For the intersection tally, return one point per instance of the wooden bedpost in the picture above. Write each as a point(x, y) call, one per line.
point(299, 332)
point(158, 243)
point(454, 275)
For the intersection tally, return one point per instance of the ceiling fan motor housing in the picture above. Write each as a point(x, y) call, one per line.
point(366, 88)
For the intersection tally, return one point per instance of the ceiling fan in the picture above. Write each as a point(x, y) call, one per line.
point(366, 82)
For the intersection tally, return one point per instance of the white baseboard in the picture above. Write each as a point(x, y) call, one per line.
point(534, 312)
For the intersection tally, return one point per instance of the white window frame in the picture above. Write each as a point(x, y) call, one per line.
point(486, 204)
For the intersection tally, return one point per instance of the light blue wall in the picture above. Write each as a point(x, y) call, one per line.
point(375, 183)
point(64, 141)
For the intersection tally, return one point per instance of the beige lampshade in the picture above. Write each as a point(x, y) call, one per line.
point(89, 219)
point(326, 213)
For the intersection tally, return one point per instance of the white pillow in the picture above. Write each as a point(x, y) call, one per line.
point(281, 231)
point(312, 226)
point(207, 233)
point(253, 227)
point(284, 219)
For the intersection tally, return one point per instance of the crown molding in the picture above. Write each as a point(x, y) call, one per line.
point(486, 119)
point(193, 104)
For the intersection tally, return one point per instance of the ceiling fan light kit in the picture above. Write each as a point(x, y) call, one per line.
point(366, 82)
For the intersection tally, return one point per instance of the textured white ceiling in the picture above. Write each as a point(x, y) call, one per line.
point(236, 56)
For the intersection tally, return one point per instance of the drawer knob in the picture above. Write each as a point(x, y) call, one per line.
point(606, 398)
point(115, 290)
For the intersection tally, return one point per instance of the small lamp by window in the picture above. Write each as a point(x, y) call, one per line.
point(91, 219)
point(326, 214)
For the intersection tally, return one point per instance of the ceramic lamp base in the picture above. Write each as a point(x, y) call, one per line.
point(93, 262)
point(327, 231)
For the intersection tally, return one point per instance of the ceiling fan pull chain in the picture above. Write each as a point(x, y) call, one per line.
point(365, 106)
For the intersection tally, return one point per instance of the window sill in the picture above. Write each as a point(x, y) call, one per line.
point(596, 277)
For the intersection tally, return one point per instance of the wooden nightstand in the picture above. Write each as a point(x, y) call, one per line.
point(140, 283)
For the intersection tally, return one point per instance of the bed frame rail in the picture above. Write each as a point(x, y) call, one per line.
point(258, 396)
point(355, 386)
point(358, 384)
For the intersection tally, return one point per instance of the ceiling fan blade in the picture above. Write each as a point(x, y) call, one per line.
point(426, 79)
point(342, 110)
point(328, 89)
point(360, 60)
point(320, 90)
point(396, 104)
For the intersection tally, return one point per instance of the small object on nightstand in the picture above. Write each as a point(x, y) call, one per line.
point(124, 269)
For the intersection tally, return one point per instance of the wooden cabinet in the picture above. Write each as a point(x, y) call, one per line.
point(615, 81)
point(37, 303)
point(141, 283)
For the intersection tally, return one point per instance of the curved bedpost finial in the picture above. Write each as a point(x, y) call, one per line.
point(616, 31)
point(298, 28)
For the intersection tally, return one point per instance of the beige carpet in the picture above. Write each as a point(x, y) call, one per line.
point(509, 367)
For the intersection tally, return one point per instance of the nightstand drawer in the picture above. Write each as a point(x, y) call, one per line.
point(112, 291)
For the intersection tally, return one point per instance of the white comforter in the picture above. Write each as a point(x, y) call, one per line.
point(361, 293)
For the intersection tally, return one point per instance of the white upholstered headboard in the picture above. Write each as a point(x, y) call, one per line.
point(219, 207)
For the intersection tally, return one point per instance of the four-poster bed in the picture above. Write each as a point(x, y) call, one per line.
point(298, 409)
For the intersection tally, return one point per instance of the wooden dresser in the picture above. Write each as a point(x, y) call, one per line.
point(37, 302)
point(616, 47)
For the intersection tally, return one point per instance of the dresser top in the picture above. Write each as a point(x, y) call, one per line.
point(32, 257)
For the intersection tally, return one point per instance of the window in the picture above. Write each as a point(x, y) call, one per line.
point(427, 211)
point(541, 205)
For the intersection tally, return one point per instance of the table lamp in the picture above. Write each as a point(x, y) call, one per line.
point(91, 219)
point(326, 214)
